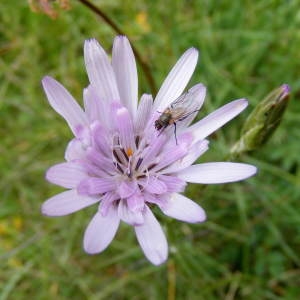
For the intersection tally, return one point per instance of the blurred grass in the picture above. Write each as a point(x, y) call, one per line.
point(248, 248)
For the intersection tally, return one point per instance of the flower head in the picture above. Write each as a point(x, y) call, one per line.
point(119, 159)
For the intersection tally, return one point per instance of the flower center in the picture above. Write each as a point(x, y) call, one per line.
point(129, 162)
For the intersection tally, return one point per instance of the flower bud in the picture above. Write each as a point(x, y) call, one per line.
point(263, 121)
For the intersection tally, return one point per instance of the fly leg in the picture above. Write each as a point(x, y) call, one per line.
point(175, 133)
point(181, 119)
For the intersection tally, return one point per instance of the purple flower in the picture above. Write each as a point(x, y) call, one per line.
point(119, 159)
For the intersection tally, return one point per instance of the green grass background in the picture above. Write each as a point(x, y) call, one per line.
point(248, 248)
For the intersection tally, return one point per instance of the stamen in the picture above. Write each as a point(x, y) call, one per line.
point(115, 139)
point(128, 170)
point(129, 152)
point(138, 163)
point(119, 168)
point(142, 188)
point(116, 156)
point(151, 167)
point(120, 155)
point(137, 141)
point(125, 154)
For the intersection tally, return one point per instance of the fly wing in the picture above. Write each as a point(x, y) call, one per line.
point(179, 101)
point(186, 107)
point(187, 101)
point(178, 113)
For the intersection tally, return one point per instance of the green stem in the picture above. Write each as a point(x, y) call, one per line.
point(145, 67)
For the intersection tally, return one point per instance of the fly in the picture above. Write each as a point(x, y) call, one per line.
point(178, 110)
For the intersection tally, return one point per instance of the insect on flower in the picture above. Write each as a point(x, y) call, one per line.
point(180, 109)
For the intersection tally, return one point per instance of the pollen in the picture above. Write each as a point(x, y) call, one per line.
point(129, 152)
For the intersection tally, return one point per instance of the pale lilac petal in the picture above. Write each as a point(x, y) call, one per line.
point(196, 150)
point(153, 185)
point(173, 154)
point(75, 150)
point(64, 104)
point(183, 209)
point(127, 189)
point(143, 112)
point(124, 66)
point(100, 137)
point(184, 140)
point(177, 80)
point(100, 71)
point(67, 175)
point(125, 128)
point(107, 201)
point(90, 104)
point(128, 216)
point(217, 119)
point(93, 170)
point(83, 134)
point(149, 155)
point(101, 231)
point(136, 202)
point(173, 183)
point(152, 239)
point(150, 132)
point(66, 203)
point(95, 107)
point(94, 186)
point(100, 160)
point(154, 199)
point(217, 172)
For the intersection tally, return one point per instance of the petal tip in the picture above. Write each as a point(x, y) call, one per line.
point(46, 78)
point(202, 217)
point(159, 261)
point(47, 81)
point(286, 88)
point(45, 211)
point(49, 174)
point(89, 250)
point(199, 87)
point(240, 104)
point(193, 50)
point(90, 45)
point(253, 171)
point(90, 41)
point(121, 37)
point(244, 101)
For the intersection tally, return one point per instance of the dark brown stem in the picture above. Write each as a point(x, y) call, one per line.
point(145, 67)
